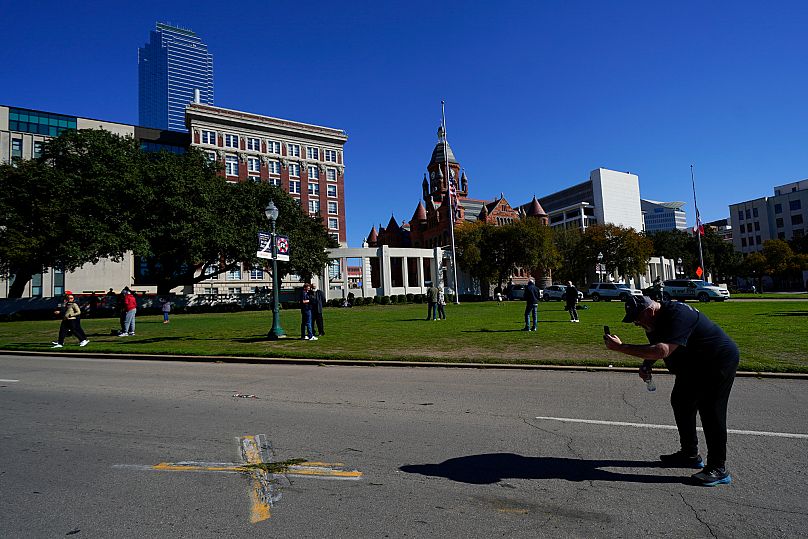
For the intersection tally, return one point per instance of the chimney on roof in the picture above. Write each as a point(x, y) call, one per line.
point(197, 96)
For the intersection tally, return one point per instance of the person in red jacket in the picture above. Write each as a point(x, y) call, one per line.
point(130, 310)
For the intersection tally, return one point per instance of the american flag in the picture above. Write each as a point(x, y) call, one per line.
point(699, 228)
point(453, 195)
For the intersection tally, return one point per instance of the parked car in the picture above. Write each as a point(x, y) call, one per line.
point(558, 292)
point(517, 292)
point(684, 289)
point(610, 291)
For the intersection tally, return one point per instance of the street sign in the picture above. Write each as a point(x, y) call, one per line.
point(699, 272)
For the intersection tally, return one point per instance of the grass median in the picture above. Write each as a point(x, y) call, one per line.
point(772, 336)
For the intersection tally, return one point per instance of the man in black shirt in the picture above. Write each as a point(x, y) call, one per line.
point(704, 360)
point(532, 296)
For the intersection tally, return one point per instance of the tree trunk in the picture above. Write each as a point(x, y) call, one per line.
point(21, 279)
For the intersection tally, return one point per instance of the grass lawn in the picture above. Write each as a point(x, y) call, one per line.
point(772, 336)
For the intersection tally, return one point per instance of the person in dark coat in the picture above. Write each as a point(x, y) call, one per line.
point(571, 298)
point(305, 314)
point(317, 303)
point(532, 296)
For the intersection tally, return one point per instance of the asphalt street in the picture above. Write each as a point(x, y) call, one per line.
point(438, 453)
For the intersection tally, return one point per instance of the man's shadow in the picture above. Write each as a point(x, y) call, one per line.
point(493, 467)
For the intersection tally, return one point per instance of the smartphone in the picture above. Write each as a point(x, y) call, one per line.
point(606, 330)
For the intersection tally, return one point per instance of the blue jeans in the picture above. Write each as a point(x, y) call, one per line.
point(305, 329)
point(129, 322)
point(531, 310)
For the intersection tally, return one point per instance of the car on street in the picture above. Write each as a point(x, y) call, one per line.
point(558, 292)
point(517, 292)
point(684, 289)
point(610, 291)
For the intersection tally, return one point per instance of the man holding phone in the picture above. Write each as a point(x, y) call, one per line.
point(704, 360)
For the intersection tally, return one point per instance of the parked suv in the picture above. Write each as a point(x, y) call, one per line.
point(558, 292)
point(610, 291)
point(684, 289)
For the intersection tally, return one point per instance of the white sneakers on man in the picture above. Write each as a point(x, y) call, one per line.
point(85, 342)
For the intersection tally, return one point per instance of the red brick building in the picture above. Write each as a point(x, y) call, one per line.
point(430, 225)
point(307, 161)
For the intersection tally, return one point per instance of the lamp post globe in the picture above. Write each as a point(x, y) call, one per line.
point(271, 211)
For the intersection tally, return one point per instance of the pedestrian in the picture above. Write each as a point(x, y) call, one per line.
point(129, 313)
point(317, 303)
point(441, 305)
point(571, 297)
point(120, 309)
point(704, 360)
point(71, 322)
point(432, 303)
point(92, 306)
point(165, 307)
point(532, 296)
point(305, 312)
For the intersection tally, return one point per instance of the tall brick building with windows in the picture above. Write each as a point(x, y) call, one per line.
point(307, 161)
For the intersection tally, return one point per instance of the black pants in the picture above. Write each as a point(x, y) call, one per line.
point(318, 319)
point(431, 312)
point(706, 392)
point(573, 309)
point(73, 326)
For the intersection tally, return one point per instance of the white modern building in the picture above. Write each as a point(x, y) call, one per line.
point(783, 216)
point(608, 196)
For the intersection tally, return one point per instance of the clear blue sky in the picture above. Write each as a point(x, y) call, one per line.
point(537, 93)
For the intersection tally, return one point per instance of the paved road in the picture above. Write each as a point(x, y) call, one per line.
point(442, 452)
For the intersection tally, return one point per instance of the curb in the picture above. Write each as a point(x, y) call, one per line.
point(371, 363)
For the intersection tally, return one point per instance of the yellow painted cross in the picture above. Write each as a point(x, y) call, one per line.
point(263, 473)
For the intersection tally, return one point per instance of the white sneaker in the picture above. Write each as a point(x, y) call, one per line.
point(57, 345)
point(314, 339)
point(123, 334)
point(54, 342)
point(131, 334)
point(576, 320)
point(85, 342)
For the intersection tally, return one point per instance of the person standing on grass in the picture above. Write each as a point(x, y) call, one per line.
point(441, 304)
point(165, 307)
point(305, 312)
point(532, 296)
point(571, 297)
point(71, 322)
point(704, 360)
point(130, 311)
point(432, 303)
point(317, 303)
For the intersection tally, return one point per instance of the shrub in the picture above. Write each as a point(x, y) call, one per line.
point(393, 300)
point(385, 300)
point(377, 300)
point(402, 298)
point(410, 298)
point(419, 298)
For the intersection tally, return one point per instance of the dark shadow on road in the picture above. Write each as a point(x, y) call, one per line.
point(493, 467)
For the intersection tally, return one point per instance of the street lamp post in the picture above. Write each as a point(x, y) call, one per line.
point(679, 267)
point(600, 266)
point(276, 332)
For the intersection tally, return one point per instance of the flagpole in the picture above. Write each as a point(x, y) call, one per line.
point(449, 200)
point(698, 222)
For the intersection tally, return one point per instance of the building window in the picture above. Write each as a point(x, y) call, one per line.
point(314, 172)
point(37, 149)
point(294, 187)
point(275, 181)
point(36, 285)
point(796, 219)
point(234, 274)
point(314, 206)
point(333, 223)
point(743, 229)
point(743, 242)
point(740, 215)
point(254, 144)
point(331, 156)
point(748, 214)
point(211, 156)
point(210, 291)
point(794, 205)
point(274, 167)
point(253, 164)
point(778, 222)
point(757, 240)
point(235, 290)
point(754, 212)
point(334, 236)
point(255, 179)
point(40, 123)
point(208, 137)
point(273, 146)
point(778, 208)
point(293, 150)
point(230, 141)
point(331, 190)
point(294, 170)
point(781, 235)
point(256, 273)
point(331, 174)
point(16, 147)
point(312, 153)
point(332, 208)
point(757, 226)
point(314, 188)
point(231, 165)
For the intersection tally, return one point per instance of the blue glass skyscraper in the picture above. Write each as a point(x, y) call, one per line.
point(173, 64)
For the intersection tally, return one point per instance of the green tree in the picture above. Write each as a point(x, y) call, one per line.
point(473, 257)
point(572, 266)
point(71, 207)
point(625, 251)
point(197, 226)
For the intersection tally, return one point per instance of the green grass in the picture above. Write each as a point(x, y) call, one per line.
point(772, 336)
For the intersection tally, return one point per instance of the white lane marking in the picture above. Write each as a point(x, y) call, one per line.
point(1, 381)
point(671, 427)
